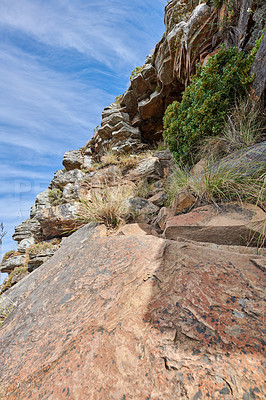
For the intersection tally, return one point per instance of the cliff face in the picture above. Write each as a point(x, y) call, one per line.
point(164, 308)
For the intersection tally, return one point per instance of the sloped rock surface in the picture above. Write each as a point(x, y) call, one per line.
point(135, 318)
point(228, 224)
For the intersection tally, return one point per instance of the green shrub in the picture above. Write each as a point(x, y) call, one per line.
point(136, 71)
point(55, 197)
point(212, 92)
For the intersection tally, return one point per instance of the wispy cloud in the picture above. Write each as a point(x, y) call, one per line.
point(61, 63)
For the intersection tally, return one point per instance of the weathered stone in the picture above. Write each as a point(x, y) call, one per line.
point(166, 161)
point(72, 160)
point(62, 178)
point(230, 224)
point(41, 256)
point(140, 87)
point(106, 176)
point(58, 221)
point(129, 101)
point(87, 162)
point(115, 118)
point(183, 202)
point(151, 107)
point(135, 230)
point(161, 218)
point(71, 192)
point(27, 229)
point(158, 199)
point(258, 68)
point(149, 168)
point(25, 244)
point(141, 209)
point(135, 318)
point(42, 201)
point(12, 263)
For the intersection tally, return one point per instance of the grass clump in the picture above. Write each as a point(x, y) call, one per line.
point(106, 205)
point(136, 71)
point(55, 197)
point(219, 183)
point(6, 307)
point(42, 247)
point(244, 126)
point(206, 101)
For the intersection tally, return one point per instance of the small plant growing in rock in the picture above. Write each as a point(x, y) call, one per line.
point(8, 281)
point(106, 205)
point(6, 307)
point(55, 197)
point(10, 254)
point(42, 247)
point(136, 71)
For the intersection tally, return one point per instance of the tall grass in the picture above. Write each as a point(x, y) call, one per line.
point(106, 205)
point(219, 183)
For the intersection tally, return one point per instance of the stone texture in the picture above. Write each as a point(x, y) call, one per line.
point(161, 218)
point(42, 201)
point(25, 244)
point(158, 199)
point(141, 209)
point(148, 168)
point(62, 178)
point(35, 260)
point(27, 229)
point(135, 318)
point(183, 202)
point(228, 224)
point(59, 220)
point(151, 107)
point(258, 68)
point(11, 263)
point(72, 160)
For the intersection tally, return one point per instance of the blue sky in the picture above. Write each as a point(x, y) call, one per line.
point(61, 63)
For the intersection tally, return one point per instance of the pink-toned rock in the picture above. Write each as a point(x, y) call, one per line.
point(59, 220)
point(161, 218)
point(183, 202)
point(125, 317)
point(228, 224)
point(135, 230)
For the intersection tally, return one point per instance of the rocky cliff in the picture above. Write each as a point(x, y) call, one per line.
point(170, 304)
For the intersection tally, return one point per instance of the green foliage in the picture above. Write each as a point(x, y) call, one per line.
point(55, 197)
point(136, 71)
point(206, 101)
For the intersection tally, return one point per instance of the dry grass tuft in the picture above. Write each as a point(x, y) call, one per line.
point(107, 205)
point(6, 307)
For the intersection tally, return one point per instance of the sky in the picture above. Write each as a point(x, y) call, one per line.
point(61, 63)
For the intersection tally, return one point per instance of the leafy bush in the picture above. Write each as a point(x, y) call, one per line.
point(213, 90)
point(136, 71)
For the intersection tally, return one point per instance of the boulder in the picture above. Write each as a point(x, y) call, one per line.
point(12, 263)
point(62, 178)
point(58, 221)
point(129, 101)
point(141, 209)
point(42, 201)
point(151, 107)
point(27, 229)
point(161, 218)
point(182, 203)
point(36, 259)
point(159, 198)
point(228, 224)
point(25, 244)
point(139, 87)
point(72, 160)
point(135, 317)
point(259, 71)
point(149, 168)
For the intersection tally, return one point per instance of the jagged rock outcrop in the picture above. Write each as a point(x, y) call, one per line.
point(135, 317)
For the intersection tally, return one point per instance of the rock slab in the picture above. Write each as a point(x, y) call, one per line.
point(129, 317)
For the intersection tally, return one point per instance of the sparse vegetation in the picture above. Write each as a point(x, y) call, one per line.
point(219, 183)
point(6, 307)
point(136, 71)
point(10, 254)
point(106, 205)
point(244, 126)
point(55, 197)
point(42, 247)
point(8, 282)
